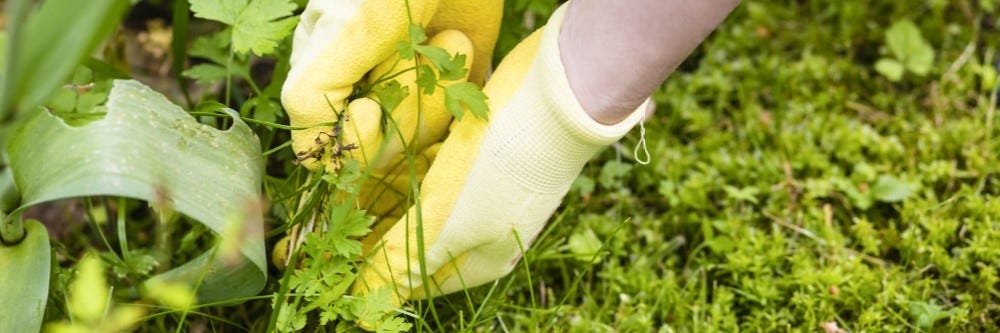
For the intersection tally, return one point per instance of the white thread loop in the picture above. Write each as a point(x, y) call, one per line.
point(642, 145)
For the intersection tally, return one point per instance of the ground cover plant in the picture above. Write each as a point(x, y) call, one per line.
point(815, 167)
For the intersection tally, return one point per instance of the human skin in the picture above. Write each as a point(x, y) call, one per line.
point(616, 53)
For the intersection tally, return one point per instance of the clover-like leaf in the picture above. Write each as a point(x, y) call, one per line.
point(909, 47)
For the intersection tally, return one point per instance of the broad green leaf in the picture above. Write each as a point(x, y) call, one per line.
point(888, 188)
point(890, 68)
point(35, 69)
point(25, 275)
point(258, 25)
point(465, 94)
point(148, 148)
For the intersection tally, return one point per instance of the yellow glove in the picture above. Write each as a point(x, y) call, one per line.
point(493, 185)
point(342, 44)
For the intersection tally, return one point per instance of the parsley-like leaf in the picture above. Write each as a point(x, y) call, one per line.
point(457, 70)
point(467, 94)
point(346, 224)
point(206, 73)
point(258, 25)
point(417, 34)
point(426, 79)
point(438, 57)
point(390, 95)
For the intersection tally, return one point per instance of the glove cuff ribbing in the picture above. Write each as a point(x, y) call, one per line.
point(544, 137)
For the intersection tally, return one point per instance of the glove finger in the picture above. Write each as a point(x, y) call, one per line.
point(387, 195)
point(418, 121)
point(477, 19)
point(479, 266)
point(360, 132)
point(333, 50)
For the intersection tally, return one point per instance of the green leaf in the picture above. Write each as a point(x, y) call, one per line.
point(389, 95)
point(426, 79)
point(584, 245)
point(33, 68)
point(909, 47)
point(583, 185)
point(416, 33)
point(213, 47)
point(611, 174)
point(206, 73)
point(405, 49)
point(890, 68)
point(25, 276)
point(258, 25)
point(925, 314)
point(457, 70)
point(748, 194)
point(438, 57)
point(888, 188)
point(147, 148)
point(347, 224)
point(465, 94)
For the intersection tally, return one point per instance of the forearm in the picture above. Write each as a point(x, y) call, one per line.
point(617, 52)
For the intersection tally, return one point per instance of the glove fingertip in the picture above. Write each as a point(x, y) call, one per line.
point(362, 129)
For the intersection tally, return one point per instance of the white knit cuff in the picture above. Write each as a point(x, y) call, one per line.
point(543, 137)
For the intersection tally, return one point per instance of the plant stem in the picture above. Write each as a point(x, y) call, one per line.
point(11, 229)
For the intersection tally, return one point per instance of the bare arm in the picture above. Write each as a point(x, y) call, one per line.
point(617, 52)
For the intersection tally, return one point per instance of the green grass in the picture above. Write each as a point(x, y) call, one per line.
point(791, 186)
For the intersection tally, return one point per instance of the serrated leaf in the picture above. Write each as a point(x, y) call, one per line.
point(389, 95)
point(458, 69)
point(405, 49)
point(257, 26)
point(888, 188)
point(468, 95)
point(426, 79)
point(206, 73)
point(417, 34)
point(346, 225)
point(146, 147)
point(212, 47)
point(225, 11)
point(889, 68)
point(438, 57)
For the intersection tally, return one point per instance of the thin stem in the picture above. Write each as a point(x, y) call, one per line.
point(11, 229)
point(122, 239)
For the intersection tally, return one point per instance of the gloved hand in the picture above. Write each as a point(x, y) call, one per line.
point(493, 184)
point(340, 45)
